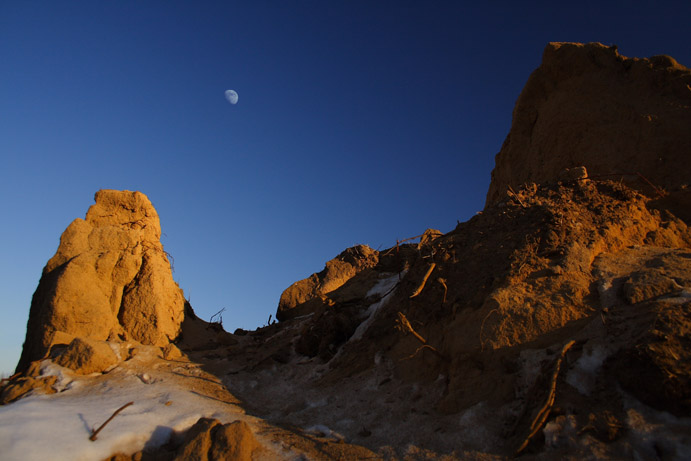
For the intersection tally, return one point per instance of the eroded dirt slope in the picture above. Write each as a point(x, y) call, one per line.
point(584, 261)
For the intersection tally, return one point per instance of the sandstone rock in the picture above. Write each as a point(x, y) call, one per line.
point(428, 236)
point(209, 440)
point(171, 352)
point(86, 356)
point(22, 386)
point(109, 278)
point(586, 105)
point(336, 273)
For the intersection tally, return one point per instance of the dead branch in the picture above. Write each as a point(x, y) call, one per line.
point(404, 325)
point(514, 196)
point(424, 280)
point(424, 346)
point(660, 192)
point(94, 433)
point(218, 314)
point(542, 415)
point(443, 283)
point(398, 242)
point(10, 378)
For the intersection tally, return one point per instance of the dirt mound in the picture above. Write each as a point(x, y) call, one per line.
point(586, 105)
point(110, 266)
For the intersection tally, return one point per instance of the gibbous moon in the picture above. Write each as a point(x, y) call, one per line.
point(232, 96)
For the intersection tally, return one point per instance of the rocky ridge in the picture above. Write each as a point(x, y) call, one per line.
point(553, 324)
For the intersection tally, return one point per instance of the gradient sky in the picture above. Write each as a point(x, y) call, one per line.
point(358, 122)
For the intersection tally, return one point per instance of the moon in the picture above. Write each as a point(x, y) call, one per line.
point(232, 96)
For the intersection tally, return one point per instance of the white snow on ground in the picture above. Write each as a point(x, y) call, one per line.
point(584, 373)
point(382, 287)
point(58, 426)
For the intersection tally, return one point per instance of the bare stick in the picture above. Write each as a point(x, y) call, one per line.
point(443, 283)
point(405, 326)
point(218, 314)
point(514, 195)
point(95, 433)
point(424, 346)
point(542, 415)
point(424, 280)
point(10, 378)
point(398, 242)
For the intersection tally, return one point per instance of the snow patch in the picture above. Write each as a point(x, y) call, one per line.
point(681, 297)
point(383, 286)
point(58, 426)
point(584, 373)
point(64, 376)
point(321, 430)
point(561, 431)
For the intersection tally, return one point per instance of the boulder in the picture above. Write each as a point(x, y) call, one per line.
point(315, 288)
point(109, 278)
point(588, 106)
point(209, 440)
point(85, 356)
point(23, 385)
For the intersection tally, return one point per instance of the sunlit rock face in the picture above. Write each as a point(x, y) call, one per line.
point(587, 105)
point(109, 279)
point(296, 299)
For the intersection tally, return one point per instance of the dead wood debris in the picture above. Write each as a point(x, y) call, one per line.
point(404, 325)
point(443, 283)
point(424, 280)
point(541, 417)
point(95, 432)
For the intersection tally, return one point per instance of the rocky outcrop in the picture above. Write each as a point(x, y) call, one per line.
point(86, 356)
point(586, 105)
point(210, 440)
point(336, 273)
point(109, 279)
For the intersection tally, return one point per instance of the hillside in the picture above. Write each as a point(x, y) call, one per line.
point(555, 324)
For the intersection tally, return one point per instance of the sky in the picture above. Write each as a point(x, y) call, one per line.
point(358, 122)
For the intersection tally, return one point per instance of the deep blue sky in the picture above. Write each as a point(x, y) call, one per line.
point(358, 122)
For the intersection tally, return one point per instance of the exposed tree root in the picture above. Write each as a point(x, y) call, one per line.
point(404, 325)
point(424, 280)
point(443, 283)
point(542, 415)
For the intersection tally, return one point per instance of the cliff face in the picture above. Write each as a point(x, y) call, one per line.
point(109, 279)
point(586, 105)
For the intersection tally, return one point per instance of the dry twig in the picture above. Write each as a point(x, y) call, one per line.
point(424, 280)
point(423, 347)
point(542, 415)
point(10, 378)
point(404, 325)
point(514, 196)
point(94, 433)
point(443, 283)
